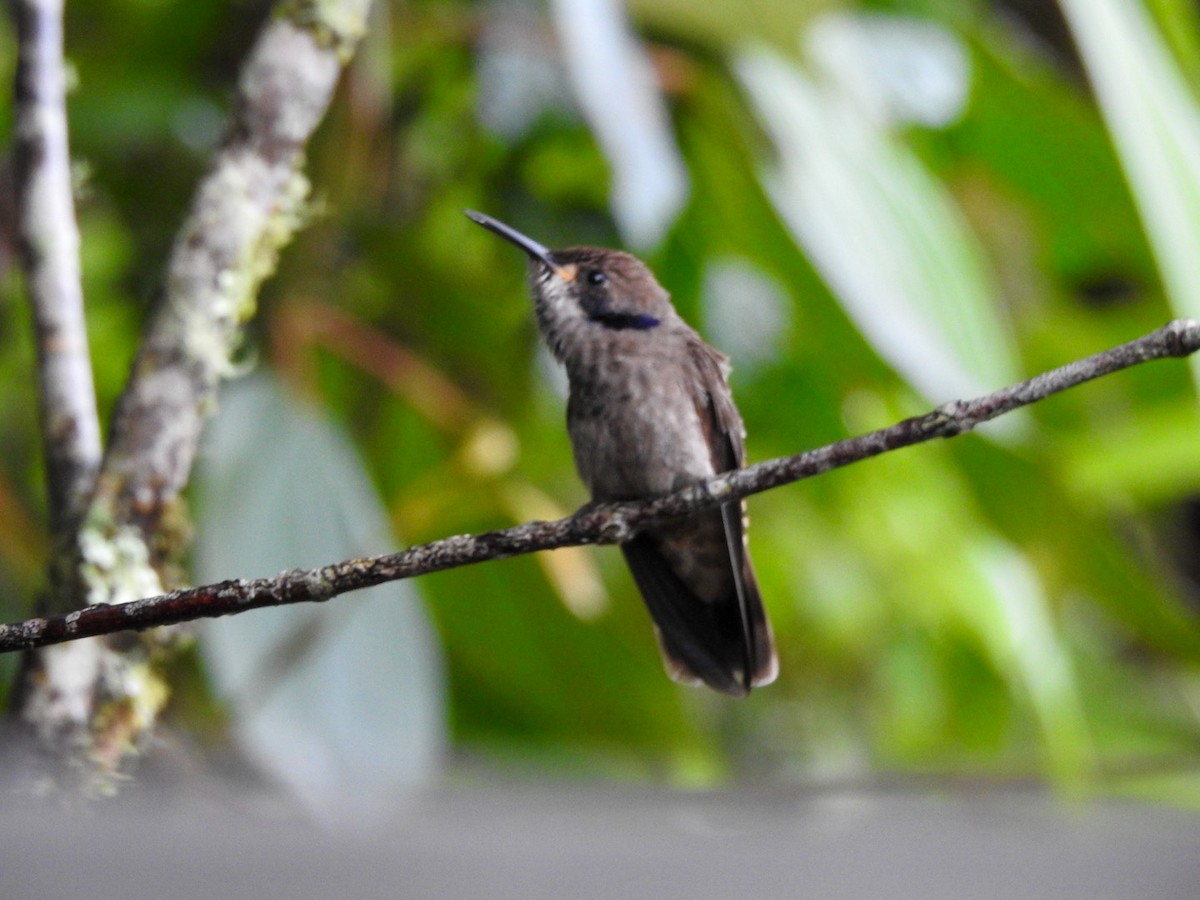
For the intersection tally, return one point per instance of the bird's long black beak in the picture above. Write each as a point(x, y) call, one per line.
point(528, 244)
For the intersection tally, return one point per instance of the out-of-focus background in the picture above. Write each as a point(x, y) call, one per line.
point(873, 207)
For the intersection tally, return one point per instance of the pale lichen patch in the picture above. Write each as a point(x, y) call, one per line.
point(115, 565)
point(338, 26)
point(72, 669)
point(317, 584)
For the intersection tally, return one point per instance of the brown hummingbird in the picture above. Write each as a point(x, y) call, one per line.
point(650, 412)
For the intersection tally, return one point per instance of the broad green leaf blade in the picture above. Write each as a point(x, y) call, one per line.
point(1155, 124)
point(884, 234)
point(1013, 618)
point(342, 701)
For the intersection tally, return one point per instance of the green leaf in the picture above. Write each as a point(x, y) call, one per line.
point(883, 232)
point(1155, 124)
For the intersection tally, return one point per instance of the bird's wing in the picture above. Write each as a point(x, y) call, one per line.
point(726, 436)
point(722, 638)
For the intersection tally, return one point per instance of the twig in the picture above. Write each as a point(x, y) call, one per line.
point(49, 249)
point(600, 524)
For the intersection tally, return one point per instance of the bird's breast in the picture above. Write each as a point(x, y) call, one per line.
point(635, 428)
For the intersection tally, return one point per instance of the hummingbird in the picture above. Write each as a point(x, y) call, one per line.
point(649, 412)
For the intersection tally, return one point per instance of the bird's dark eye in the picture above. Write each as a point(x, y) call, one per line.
point(595, 276)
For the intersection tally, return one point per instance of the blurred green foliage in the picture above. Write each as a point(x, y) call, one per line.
point(1020, 605)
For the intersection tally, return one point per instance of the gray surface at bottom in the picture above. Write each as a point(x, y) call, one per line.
point(584, 842)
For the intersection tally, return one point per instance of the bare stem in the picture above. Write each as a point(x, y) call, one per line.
point(601, 524)
point(49, 249)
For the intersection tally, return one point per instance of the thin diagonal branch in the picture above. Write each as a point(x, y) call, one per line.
point(49, 249)
point(600, 524)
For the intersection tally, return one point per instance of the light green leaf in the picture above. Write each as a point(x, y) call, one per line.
point(1013, 618)
point(884, 234)
point(1155, 124)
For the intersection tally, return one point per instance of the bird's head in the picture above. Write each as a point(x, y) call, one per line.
point(582, 294)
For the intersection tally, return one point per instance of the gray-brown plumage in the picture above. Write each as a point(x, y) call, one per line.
point(650, 412)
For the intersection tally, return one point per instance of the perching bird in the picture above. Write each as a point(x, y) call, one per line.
point(650, 412)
